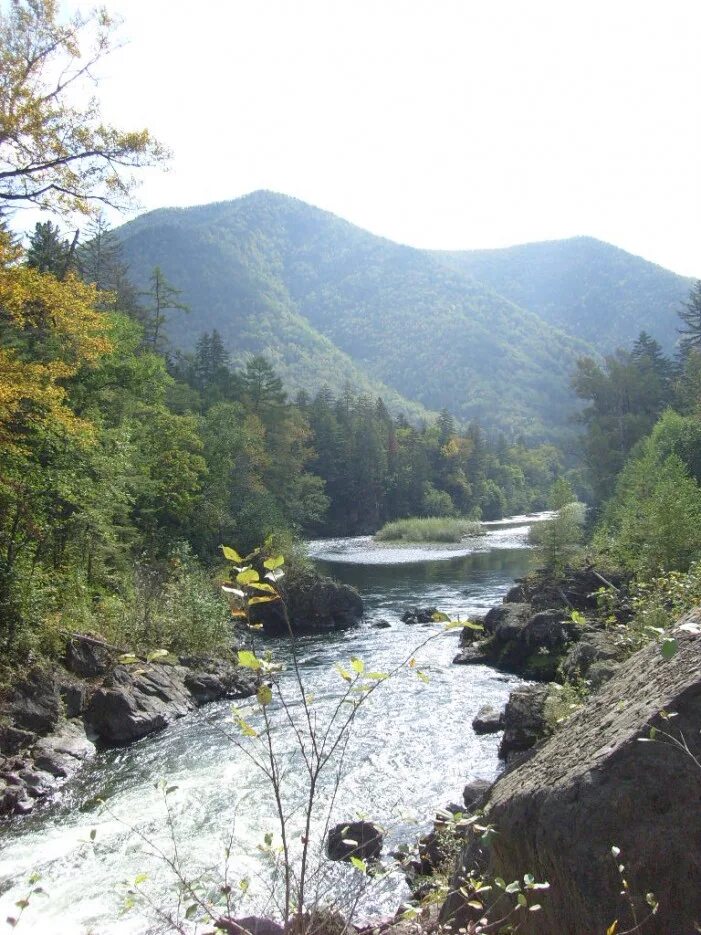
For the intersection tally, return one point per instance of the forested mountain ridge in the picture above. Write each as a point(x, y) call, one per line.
point(328, 302)
point(588, 288)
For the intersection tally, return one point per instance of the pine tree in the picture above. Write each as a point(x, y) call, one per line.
point(48, 252)
point(164, 297)
point(690, 315)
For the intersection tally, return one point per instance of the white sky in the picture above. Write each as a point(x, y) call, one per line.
point(447, 124)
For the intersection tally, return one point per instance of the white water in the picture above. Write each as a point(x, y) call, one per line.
point(411, 752)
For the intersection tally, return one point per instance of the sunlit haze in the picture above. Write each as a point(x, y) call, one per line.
point(446, 124)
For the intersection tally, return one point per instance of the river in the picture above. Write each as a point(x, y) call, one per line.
point(411, 751)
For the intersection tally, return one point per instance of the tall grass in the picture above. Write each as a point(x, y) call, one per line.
point(429, 529)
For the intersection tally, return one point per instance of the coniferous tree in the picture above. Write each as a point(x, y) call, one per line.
point(690, 314)
point(48, 252)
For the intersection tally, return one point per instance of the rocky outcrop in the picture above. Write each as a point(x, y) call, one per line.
point(314, 604)
point(354, 839)
point(594, 785)
point(139, 699)
point(488, 720)
point(42, 745)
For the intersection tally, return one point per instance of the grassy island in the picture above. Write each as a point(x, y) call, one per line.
point(429, 529)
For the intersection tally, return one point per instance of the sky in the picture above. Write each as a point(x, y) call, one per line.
point(451, 124)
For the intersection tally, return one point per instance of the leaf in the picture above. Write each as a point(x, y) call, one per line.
point(231, 554)
point(578, 617)
point(140, 878)
point(276, 574)
point(522, 901)
point(157, 654)
point(357, 665)
point(412, 663)
point(245, 727)
point(613, 928)
point(440, 617)
point(514, 887)
point(470, 625)
point(127, 659)
point(378, 676)
point(22, 903)
point(171, 789)
point(191, 911)
point(264, 695)
point(248, 660)
point(272, 563)
point(93, 834)
point(247, 576)
point(263, 600)
point(359, 864)
point(422, 675)
point(262, 586)
point(615, 850)
point(669, 648)
point(345, 675)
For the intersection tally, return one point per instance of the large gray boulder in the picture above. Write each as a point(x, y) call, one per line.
point(314, 604)
point(137, 700)
point(593, 785)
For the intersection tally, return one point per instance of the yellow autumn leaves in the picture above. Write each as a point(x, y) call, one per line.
point(49, 330)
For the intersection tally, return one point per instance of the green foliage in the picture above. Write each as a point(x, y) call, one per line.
point(653, 522)
point(558, 539)
point(561, 494)
point(429, 529)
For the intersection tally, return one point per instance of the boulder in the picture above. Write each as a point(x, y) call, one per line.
point(488, 720)
point(34, 704)
point(209, 679)
point(507, 620)
point(523, 721)
point(419, 615)
point(594, 785)
point(354, 839)
point(314, 604)
point(516, 595)
point(468, 635)
point(86, 658)
point(138, 700)
point(61, 753)
point(381, 624)
point(593, 646)
point(471, 655)
point(475, 792)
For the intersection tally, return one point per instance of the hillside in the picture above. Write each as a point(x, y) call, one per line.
point(588, 288)
point(328, 303)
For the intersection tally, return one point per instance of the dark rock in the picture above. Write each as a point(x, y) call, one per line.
point(468, 635)
point(34, 704)
point(314, 604)
point(381, 624)
point(354, 839)
point(73, 695)
point(87, 659)
point(507, 620)
point(210, 679)
point(594, 646)
point(524, 719)
point(475, 792)
point(516, 595)
point(136, 701)
point(593, 785)
point(419, 615)
point(471, 655)
point(488, 720)
point(12, 739)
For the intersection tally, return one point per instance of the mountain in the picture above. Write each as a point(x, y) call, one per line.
point(588, 288)
point(327, 302)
